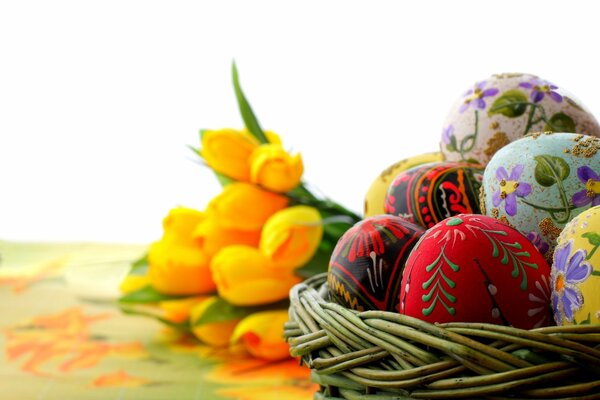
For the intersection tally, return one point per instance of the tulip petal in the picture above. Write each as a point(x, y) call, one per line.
point(291, 236)
point(227, 151)
point(262, 334)
point(216, 334)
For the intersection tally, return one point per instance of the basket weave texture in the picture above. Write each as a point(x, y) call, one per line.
point(382, 355)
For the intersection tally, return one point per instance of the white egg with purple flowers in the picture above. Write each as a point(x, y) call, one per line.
point(539, 183)
point(505, 107)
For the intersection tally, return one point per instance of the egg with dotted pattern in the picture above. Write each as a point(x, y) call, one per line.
point(473, 268)
point(537, 184)
point(428, 193)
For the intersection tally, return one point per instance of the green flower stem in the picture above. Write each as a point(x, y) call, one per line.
point(472, 137)
point(551, 210)
point(529, 119)
point(591, 253)
point(301, 195)
point(565, 201)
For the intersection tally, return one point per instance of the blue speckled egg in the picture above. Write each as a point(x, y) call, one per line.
point(537, 184)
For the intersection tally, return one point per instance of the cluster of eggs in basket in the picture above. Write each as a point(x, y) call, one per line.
point(501, 225)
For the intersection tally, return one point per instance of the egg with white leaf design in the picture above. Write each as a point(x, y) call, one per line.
point(473, 268)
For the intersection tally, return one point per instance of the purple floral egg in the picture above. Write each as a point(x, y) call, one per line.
point(576, 271)
point(505, 107)
point(539, 183)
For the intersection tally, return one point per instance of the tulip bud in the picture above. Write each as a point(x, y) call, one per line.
point(214, 236)
point(178, 310)
point(131, 283)
point(245, 277)
point(262, 335)
point(216, 334)
point(176, 263)
point(228, 151)
point(291, 236)
point(275, 169)
point(244, 206)
point(272, 137)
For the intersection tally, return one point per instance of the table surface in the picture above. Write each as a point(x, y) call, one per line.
point(64, 337)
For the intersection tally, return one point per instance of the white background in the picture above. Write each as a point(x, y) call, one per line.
point(100, 99)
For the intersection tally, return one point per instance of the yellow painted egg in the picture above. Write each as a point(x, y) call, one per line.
point(576, 270)
point(375, 197)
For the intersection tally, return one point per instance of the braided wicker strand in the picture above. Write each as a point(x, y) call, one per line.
point(378, 355)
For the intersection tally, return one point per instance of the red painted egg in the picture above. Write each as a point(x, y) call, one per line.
point(474, 268)
point(365, 270)
point(428, 193)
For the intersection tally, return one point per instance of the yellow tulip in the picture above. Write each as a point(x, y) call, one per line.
point(214, 236)
point(262, 335)
point(228, 151)
point(216, 334)
point(178, 310)
point(291, 236)
point(131, 283)
point(176, 263)
point(244, 206)
point(275, 169)
point(272, 137)
point(180, 224)
point(245, 277)
point(178, 269)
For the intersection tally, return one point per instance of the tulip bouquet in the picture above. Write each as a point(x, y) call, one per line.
point(224, 273)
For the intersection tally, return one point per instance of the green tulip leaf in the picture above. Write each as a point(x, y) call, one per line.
point(222, 311)
point(512, 104)
point(560, 122)
point(248, 116)
point(319, 262)
point(223, 179)
point(140, 266)
point(147, 294)
point(152, 312)
point(550, 170)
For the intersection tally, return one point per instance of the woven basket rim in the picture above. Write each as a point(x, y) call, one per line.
point(385, 355)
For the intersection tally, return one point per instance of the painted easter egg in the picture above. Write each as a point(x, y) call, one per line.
point(366, 265)
point(576, 271)
point(473, 268)
point(505, 107)
point(429, 193)
point(375, 196)
point(539, 183)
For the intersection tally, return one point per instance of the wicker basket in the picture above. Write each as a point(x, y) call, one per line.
point(384, 355)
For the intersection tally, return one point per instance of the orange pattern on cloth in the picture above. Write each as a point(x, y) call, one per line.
point(119, 378)
point(33, 274)
point(62, 337)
